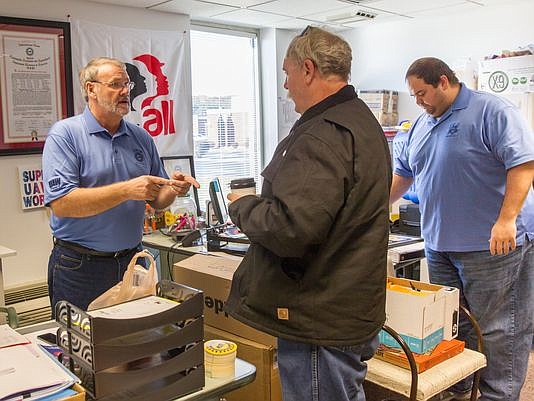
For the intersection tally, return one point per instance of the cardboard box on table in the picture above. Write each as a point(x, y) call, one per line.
point(157, 356)
point(213, 275)
point(383, 104)
point(423, 314)
point(266, 386)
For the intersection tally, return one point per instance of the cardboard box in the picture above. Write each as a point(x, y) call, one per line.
point(385, 101)
point(423, 314)
point(266, 385)
point(213, 275)
point(443, 351)
point(507, 75)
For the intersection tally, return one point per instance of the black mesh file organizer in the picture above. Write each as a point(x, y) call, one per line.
point(158, 357)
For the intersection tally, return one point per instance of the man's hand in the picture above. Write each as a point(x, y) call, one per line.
point(233, 197)
point(145, 187)
point(502, 239)
point(180, 183)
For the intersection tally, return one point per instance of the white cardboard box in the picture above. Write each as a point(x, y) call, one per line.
point(423, 314)
point(507, 75)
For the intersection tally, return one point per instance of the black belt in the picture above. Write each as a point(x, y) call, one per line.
point(88, 251)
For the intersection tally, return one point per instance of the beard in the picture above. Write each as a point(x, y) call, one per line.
point(120, 107)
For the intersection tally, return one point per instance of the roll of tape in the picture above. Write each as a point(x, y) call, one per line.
point(219, 358)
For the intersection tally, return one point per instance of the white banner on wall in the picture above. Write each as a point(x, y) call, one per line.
point(156, 62)
point(31, 186)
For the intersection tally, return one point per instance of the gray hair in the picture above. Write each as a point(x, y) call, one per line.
point(330, 53)
point(89, 73)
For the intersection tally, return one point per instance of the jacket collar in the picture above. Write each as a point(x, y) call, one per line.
point(343, 95)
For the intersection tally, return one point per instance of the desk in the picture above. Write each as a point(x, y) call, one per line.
point(213, 389)
point(4, 253)
point(170, 251)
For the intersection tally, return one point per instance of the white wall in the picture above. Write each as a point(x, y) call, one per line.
point(383, 52)
point(27, 231)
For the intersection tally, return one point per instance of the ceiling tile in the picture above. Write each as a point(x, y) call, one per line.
point(238, 3)
point(196, 9)
point(446, 9)
point(129, 3)
point(249, 17)
point(408, 7)
point(298, 8)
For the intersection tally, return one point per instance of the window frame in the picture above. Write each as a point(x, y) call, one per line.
point(248, 33)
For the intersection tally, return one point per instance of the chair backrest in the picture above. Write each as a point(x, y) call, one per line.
point(12, 317)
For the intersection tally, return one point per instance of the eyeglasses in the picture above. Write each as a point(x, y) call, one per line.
point(306, 31)
point(117, 85)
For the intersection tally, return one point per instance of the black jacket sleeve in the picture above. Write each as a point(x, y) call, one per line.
point(307, 189)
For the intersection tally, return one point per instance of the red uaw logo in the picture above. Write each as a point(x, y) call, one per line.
point(156, 110)
point(498, 81)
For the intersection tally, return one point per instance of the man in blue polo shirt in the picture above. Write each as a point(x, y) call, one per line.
point(471, 156)
point(99, 171)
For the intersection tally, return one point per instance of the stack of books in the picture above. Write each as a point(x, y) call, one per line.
point(443, 351)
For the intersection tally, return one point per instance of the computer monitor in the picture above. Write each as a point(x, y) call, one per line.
point(218, 201)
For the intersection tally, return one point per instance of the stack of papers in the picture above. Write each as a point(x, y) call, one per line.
point(27, 371)
point(137, 308)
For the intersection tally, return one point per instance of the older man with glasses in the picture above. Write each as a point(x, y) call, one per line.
point(99, 171)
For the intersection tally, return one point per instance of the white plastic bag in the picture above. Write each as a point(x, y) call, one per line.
point(137, 282)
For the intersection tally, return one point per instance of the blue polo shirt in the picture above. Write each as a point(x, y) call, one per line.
point(80, 153)
point(459, 164)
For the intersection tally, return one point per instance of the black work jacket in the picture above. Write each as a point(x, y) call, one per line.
point(316, 268)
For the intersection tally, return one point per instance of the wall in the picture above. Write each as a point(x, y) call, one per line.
point(278, 110)
point(383, 52)
point(27, 231)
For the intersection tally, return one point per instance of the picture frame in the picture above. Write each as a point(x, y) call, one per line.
point(35, 82)
point(186, 165)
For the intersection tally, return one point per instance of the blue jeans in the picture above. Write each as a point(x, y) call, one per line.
point(323, 373)
point(80, 278)
point(498, 292)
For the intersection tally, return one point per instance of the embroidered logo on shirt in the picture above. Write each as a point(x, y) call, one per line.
point(54, 183)
point(453, 130)
point(138, 154)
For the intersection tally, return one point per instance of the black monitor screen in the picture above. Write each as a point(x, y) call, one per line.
point(218, 201)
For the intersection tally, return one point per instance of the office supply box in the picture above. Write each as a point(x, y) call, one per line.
point(443, 351)
point(148, 348)
point(423, 314)
point(507, 75)
point(213, 275)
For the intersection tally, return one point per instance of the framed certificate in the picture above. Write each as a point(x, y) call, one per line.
point(35, 82)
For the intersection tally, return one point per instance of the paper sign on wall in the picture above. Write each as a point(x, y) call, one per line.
point(31, 186)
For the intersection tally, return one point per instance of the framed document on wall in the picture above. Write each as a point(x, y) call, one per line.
point(35, 82)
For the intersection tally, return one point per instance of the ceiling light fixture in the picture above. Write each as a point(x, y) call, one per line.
point(351, 16)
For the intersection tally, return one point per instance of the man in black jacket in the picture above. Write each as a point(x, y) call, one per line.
point(314, 275)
